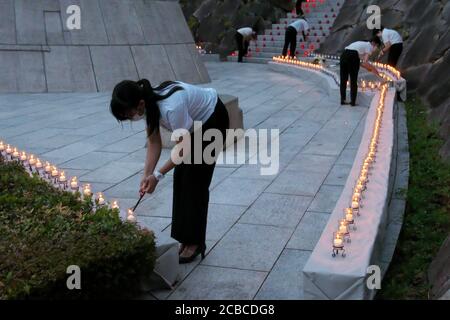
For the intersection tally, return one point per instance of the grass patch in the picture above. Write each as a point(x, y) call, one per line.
point(44, 230)
point(427, 216)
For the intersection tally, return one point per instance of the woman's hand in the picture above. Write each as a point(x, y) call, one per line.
point(148, 185)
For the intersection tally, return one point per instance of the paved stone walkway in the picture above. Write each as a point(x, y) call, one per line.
point(261, 228)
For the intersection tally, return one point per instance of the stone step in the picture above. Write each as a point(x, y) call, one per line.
point(274, 51)
point(249, 59)
point(312, 32)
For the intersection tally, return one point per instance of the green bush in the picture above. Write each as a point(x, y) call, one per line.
point(44, 230)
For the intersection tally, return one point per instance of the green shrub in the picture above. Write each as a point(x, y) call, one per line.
point(44, 230)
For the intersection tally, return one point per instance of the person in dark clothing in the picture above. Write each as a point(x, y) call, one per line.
point(350, 64)
point(290, 39)
point(243, 37)
point(299, 9)
point(176, 106)
point(393, 42)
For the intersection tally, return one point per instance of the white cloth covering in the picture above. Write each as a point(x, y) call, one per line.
point(181, 109)
point(341, 278)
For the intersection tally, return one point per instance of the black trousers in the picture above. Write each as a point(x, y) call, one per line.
point(241, 45)
point(290, 39)
point(191, 188)
point(394, 54)
point(350, 64)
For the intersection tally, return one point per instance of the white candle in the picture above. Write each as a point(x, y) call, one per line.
point(8, 149)
point(87, 190)
point(2, 146)
point(355, 205)
point(23, 156)
point(100, 199)
point(74, 183)
point(338, 242)
point(48, 167)
point(130, 216)
point(54, 172)
point(115, 205)
point(32, 160)
point(62, 177)
point(342, 227)
point(15, 153)
point(349, 215)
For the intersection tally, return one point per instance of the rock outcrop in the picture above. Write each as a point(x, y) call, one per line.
point(423, 24)
point(425, 61)
point(214, 22)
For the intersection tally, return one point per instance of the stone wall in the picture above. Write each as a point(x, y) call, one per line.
point(425, 62)
point(118, 39)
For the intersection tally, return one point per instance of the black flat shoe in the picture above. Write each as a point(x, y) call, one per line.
point(199, 251)
point(344, 103)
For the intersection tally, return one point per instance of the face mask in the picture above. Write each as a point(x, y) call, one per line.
point(138, 117)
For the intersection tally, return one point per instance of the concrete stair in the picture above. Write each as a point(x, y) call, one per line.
point(320, 15)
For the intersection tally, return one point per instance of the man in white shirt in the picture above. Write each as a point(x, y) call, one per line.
point(393, 42)
point(350, 63)
point(243, 37)
point(290, 39)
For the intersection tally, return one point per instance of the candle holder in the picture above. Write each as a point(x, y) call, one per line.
point(343, 231)
point(131, 216)
point(63, 180)
point(338, 246)
point(350, 218)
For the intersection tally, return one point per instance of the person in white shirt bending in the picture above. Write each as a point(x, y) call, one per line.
point(243, 37)
point(350, 63)
point(393, 42)
point(290, 39)
point(176, 105)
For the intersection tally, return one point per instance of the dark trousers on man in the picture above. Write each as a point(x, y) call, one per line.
point(290, 39)
point(349, 67)
point(394, 54)
point(241, 45)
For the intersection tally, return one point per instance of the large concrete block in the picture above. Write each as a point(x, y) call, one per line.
point(53, 28)
point(7, 22)
point(121, 21)
point(30, 26)
point(112, 65)
point(30, 72)
point(182, 63)
point(150, 21)
point(92, 30)
point(69, 68)
point(152, 63)
point(203, 72)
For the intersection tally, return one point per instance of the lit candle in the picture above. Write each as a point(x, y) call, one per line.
point(100, 199)
point(62, 177)
point(2, 147)
point(38, 164)
point(23, 156)
point(48, 167)
point(74, 183)
point(54, 172)
point(337, 242)
point(349, 215)
point(343, 227)
point(87, 190)
point(32, 160)
point(15, 153)
point(130, 216)
point(115, 205)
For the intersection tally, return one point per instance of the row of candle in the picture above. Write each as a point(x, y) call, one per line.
point(393, 71)
point(360, 187)
point(323, 56)
point(56, 177)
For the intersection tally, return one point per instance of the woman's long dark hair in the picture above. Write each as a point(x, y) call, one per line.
point(127, 94)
